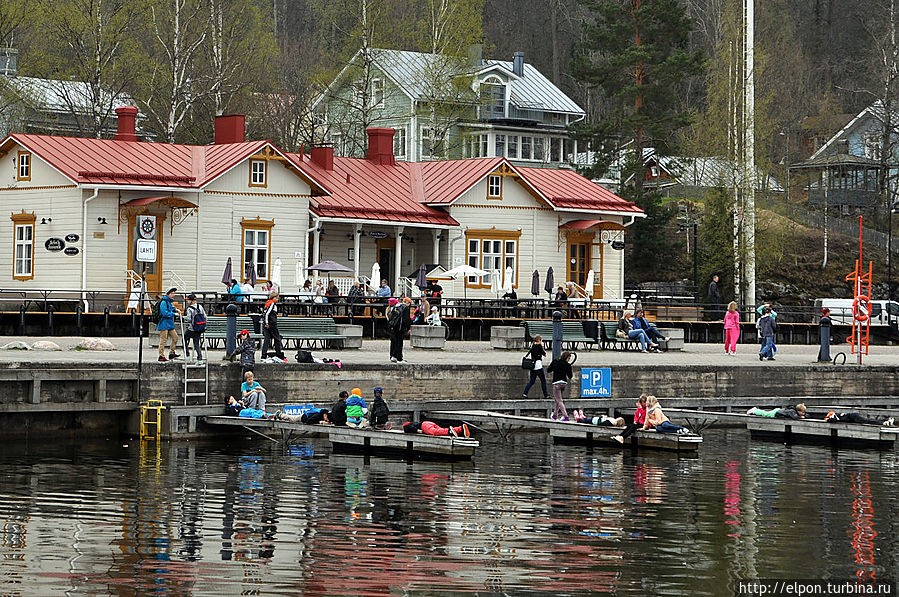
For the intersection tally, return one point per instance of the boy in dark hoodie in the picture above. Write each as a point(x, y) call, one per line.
point(338, 411)
point(246, 348)
point(378, 412)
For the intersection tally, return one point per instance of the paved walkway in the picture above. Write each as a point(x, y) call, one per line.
point(465, 353)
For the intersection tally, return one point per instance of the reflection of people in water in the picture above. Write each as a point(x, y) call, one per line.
point(649, 484)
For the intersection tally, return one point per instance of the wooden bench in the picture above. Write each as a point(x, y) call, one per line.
point(607, 331)
point(307, 331)
point(217, 328)
point(572, 333)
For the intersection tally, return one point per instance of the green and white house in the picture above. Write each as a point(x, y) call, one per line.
point(449, 108)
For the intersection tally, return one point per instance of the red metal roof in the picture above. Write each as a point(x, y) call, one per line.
point(579, 224)
point(445, 181)
point(567, 189)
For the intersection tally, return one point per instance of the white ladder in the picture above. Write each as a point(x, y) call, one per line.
point(194, 385)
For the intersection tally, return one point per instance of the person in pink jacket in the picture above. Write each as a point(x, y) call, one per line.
point(731, 329)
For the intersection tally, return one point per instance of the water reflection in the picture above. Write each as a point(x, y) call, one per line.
point(526, 517)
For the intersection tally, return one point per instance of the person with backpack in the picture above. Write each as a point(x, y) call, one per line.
point(398, 323)
point(379, 411)
point(338, 411)
point(196, 318)
point(166, 325)
point(270, 334)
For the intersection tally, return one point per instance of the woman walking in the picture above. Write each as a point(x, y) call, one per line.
point(731, 329)
point(561, 370)
point(537, 352)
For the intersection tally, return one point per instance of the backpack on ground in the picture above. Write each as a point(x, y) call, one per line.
point(155, 315)
point(304, 356)
point(199, 320)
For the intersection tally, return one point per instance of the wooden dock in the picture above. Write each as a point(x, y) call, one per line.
point(570, 432)
point(368, 441)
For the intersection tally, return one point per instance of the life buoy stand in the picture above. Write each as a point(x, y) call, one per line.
point(861, 307)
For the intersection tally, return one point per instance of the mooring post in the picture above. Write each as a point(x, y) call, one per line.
point(231, 329)
point(557, 334)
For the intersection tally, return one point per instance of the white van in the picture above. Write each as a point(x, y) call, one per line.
point(841, 311)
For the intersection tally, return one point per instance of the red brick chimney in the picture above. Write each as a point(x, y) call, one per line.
point(380, 146)
point(127, 115)
point(323, 155)
point(229, 128)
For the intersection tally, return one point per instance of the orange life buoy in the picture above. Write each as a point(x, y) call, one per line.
point(861, 307)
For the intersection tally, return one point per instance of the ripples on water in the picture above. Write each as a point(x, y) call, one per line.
point(526, 517)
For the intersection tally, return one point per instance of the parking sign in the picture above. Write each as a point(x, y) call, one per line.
point(596, 383)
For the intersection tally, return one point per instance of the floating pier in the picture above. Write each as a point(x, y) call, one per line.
point(571, 432)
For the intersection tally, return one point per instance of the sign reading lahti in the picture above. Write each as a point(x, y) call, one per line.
point(146, 250)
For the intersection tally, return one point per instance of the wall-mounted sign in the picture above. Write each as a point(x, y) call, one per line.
point(596, 383)
point(72, 238)
point(71, 251)
point(146, 225)
point(377, 234)
point(146, 250)
point(617, 244)
point(55, 244)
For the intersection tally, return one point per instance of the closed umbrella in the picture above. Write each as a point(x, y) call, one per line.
point(495, 281)
point(375, 275)
point(421, 280)
point(550, 282)
point(507, 281)
point(227, 277)
point(535, 283)
point(251, 273)
point(591, 275)
point(276, 274)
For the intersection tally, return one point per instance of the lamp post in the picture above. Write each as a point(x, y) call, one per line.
point(894, 208)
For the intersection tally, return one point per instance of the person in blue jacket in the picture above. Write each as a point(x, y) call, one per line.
point(166, 325)
point(234, 291)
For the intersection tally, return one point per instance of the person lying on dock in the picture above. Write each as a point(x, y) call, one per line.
point(857, 417)
point(656, 419)
point(356, 409)
point(379, 411)
point(252, 393)
point(791, 412)
point(338, 411)
point(237, 408)
point(600, 421)
point(639, 420)
point(431, 428)
point(314, 416)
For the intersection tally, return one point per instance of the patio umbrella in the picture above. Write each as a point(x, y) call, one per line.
point(251, 273)
point(375, 281)
point(421, 280)
point(227, 277)
point(588, 285)
point(550, 281)
point(276, 274)
point(535, 283)
point(496, 281)
point(507, 281)
point(329, 266)
point(463, 271)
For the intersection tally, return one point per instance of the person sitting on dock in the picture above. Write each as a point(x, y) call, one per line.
point(639, 420)
point(857, 417)
point(431, 428)
point(656, 419)
point(791, 412)
point(379, 411)
point(356, 409)
point(600, 421)
point(252, 392)
point(338, 411)
point(237, 408)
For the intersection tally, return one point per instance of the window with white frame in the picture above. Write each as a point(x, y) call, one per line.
point(513, 146)
point(23, 246)
point(257, 243)
point(527, 148)
point(555, 149)
point(257, 173)
point(399, 142)
point(491, 250)
point(493, 98)
point(24, 169)
point(377, 93)
point(495, 186)
point(500, 147)
point(539, 149)
point(484, 141)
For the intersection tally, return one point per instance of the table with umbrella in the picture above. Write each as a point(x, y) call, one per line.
point(330, 267)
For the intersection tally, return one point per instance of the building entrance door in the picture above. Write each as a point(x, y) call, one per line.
point(154, 270)
point(386, 251)
point(579, 254)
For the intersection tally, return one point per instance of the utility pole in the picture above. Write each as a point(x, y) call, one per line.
point(749, 154)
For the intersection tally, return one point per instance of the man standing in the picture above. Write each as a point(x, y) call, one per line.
point(398, 323)
point(196, 319)
point(270, 333)
point(166, 325)
point(767, 328)
point(714, 297)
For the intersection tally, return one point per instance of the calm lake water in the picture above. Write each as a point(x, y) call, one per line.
point(525, 518)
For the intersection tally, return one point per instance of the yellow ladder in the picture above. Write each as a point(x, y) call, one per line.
point(146, 422)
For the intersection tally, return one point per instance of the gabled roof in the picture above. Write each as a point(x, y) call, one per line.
point(531, 91)
point(875, 111)
point(62, 96)
point(112, 162)
point(566, 189)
